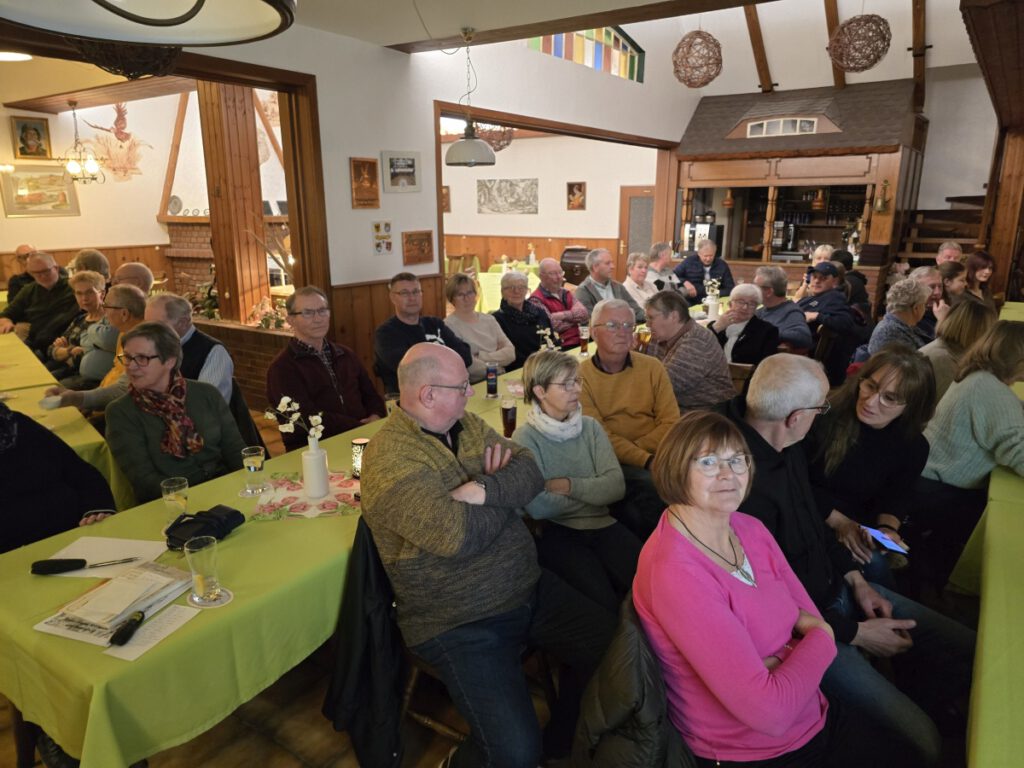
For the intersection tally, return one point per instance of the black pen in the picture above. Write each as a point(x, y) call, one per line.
point(127, 628)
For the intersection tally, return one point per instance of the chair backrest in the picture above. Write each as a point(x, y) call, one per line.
point(243, 418)
point(623, 721)
point(740, 373)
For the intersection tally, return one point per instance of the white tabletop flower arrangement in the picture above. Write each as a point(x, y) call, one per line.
point(288, 416)
point(712, 288)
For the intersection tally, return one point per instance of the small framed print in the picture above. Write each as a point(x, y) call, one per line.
point(576, 195)
point(31, 137)
point(32, 191)
point(365, 184)
point(446, 199)
point(418, 247)
point(401, 171)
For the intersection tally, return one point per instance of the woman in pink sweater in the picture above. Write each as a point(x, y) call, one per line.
point(741, 645)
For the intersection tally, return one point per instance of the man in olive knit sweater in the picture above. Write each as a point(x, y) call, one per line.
point(442, 493)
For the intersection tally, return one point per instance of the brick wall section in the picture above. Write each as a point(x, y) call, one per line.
point(191, 256)
point(252, 349)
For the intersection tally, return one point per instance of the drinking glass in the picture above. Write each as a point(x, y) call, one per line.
point(175, 493)
point(201, 553)
point(391, 400)
point(584, 341)
point(508, 417)
point(253, 458)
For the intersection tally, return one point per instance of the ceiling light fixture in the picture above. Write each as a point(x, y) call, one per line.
point(14, 56)
point(139, 37)
point(469, 151)
point(80, 164)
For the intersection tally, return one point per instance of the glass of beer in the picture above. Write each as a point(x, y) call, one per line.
point(584, 340)
point(508, 416)
point(643, 338)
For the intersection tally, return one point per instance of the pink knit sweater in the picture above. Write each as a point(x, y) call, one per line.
point(712, 631)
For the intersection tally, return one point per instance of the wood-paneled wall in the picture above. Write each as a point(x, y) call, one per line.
point(744, 271)
point(359, 308)
point(489, 248)
point(150, 255)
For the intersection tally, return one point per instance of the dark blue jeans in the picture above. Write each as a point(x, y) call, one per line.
point(481, 665)
point(935, 672)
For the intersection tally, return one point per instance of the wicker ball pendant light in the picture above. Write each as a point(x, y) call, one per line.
point(860, 43)
point(697, 60)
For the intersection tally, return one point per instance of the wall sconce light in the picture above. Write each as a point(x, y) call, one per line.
point(728, 202)
point(882, 199)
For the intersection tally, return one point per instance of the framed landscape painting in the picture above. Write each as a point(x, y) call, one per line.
point(36, 191)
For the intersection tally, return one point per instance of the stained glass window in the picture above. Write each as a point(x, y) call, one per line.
point(606, 49)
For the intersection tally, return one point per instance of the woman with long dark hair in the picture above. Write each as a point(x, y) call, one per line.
point(954, 281)
point(980, 269)
point(868, 451)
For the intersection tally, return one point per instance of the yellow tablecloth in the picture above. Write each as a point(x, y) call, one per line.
point(522, 266)
point(287, 578)
point(3, 300)
point(1012, 310)
point(490, 290)
point(19, 367)
point(75, 430)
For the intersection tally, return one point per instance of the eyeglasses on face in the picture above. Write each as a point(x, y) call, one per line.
point(711, 464)
point(111, 306)
point(140, 360)
point(819, 410)
point(743, 304)
point(36, 272)
point(462, 389)
point(465, 294)
point(574, 383)
point(612, 326)
point(309, 314)
point(515, 288)
point(407, 294)
point(869, 388)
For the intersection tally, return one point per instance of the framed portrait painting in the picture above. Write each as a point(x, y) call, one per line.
point(401, 171)
point(31, 137)
point(418, 247)
point(365, 184)
point(576, 195)
point(36, 191)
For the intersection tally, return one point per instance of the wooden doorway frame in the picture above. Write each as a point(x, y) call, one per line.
point(300, 136)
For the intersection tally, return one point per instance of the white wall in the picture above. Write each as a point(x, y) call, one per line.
point(554, 161)
point(961, 135)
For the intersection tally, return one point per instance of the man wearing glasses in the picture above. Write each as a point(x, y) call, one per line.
point(631, 396)
point(21, 278)
point(409, 326)
point(786, 394)
point(48, 305)
point(443, 495)
point(318, 374)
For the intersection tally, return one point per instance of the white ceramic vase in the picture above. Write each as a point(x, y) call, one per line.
point(314, 470)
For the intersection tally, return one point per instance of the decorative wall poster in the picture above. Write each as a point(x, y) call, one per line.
point(418, 247)
point(576, 195)
point(513, 196)
point(38, 190)
point(401, 171)
point(446, 199)
point(365, 186)
point(118, 149)
point(382, 244)
point(31, 137)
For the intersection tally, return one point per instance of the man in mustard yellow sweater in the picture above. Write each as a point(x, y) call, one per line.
point(631, 396)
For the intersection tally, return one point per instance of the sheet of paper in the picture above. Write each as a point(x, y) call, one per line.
point(98, 549)
point(885, 541)
point(152, 632)
point(118, 596)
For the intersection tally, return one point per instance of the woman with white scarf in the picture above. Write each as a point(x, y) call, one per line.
point(745, 338)
point(581, 542)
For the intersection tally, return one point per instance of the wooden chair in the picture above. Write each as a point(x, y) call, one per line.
point(740, 373)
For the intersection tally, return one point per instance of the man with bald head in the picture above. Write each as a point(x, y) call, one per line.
point(47, 305)
point(443, 495)
point(134, 273)
point(567, 314)
point(21, 277)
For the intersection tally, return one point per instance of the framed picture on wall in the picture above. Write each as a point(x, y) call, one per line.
point(418, 247)
point(31, 137)
point(401, 171)
point(365, 184)
point(576, 195)
point(446, 199)
point(38, 190)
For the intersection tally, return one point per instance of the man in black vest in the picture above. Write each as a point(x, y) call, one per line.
point(203, 357)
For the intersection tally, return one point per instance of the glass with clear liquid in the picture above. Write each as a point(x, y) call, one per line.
point(253, 459)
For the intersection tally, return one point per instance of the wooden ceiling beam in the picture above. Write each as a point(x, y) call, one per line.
point(918, 50)
point(764, 75)
point(831, 22)
point(996, 31)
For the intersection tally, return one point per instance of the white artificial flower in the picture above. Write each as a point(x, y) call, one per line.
point(294, 406)
point(270, 415)
point(316, 432)
point(283, 405)
point(294, 417)
point(287, 427)
point(315, 420)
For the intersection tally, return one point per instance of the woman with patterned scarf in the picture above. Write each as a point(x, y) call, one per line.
point(166, 426)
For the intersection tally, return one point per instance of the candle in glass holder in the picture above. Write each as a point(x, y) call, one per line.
point(358, 445)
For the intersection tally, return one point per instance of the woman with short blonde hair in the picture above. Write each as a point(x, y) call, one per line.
point(636, 283)
point(480, 331)
point(66, 353)
point(966, 322)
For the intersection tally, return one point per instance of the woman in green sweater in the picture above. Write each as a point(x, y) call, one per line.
point(583, 544)
point(164, 426)
point(978, 426)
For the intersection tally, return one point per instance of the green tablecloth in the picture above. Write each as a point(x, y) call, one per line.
point(20, 368)
point(75, 430)
point(287, 577)
point(522, 266)
point(3, 300)
point(1012, 310)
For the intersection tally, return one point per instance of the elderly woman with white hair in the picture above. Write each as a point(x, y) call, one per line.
point(905, 305)
point(636, 283)
point(526, 324)
point(744, 337)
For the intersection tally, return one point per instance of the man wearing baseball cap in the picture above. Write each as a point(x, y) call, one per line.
point(825, 307)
